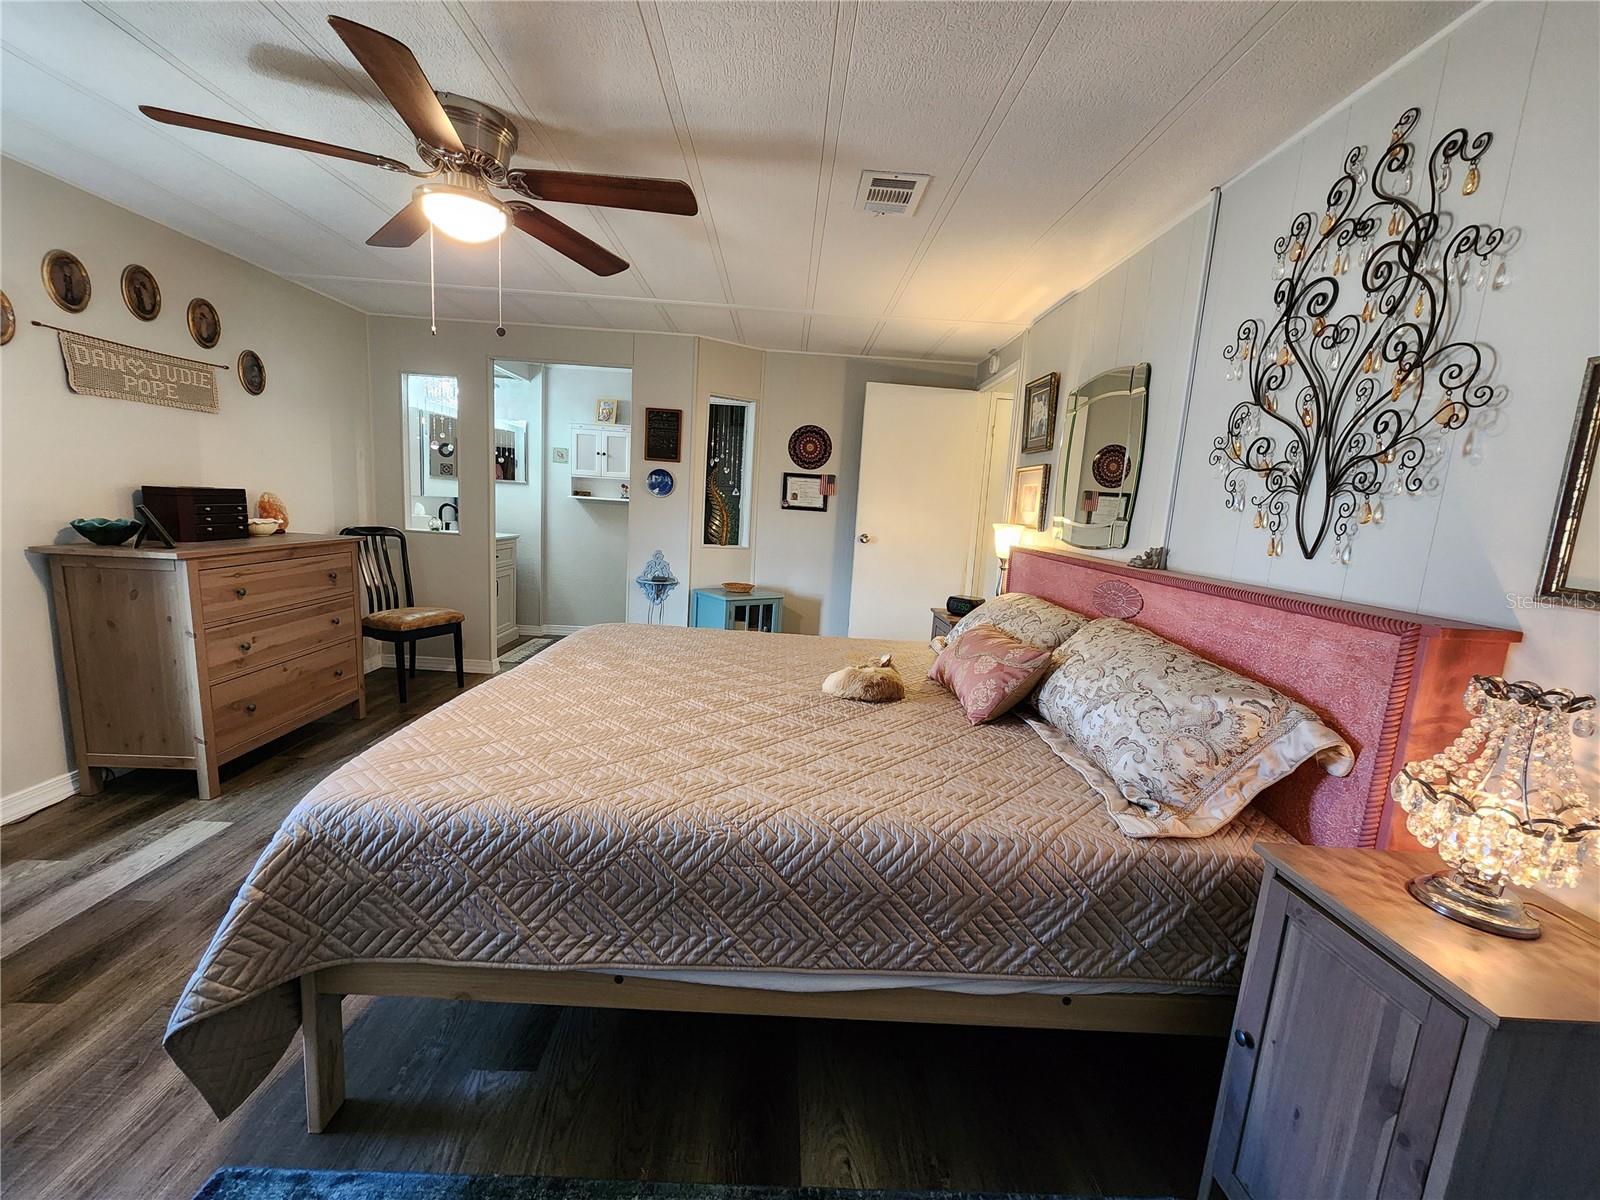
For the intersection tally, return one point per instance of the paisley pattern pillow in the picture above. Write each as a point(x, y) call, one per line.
point(1176, 744)
point(989, 671)
point(1027, 618)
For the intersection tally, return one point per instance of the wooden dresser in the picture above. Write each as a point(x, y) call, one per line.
point(185, 658)
point(1381, 1050)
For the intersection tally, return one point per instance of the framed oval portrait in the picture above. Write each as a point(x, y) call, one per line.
point(8, 319)
point(205, 327)
point(252, 372)
point(140, 292)
point(66, 279)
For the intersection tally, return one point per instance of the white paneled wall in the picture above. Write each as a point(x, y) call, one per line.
point(1468, 550)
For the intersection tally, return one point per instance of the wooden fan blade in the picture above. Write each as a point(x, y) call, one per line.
point(399, 77)
point(250, 133)
point(607, 191)
point(402, 229)
point(564, 239)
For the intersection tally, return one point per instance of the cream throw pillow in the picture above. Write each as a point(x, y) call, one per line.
point(1027, 618)
point(1174, 743)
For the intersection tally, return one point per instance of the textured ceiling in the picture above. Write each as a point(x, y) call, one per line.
point(1060, 137)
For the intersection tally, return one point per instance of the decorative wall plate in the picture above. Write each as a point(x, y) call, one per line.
point(8, 319)
point(252, 372)
point(205, 327)
point(659, 481)
point(810, 447)
point(1110, 466)
point(66, 280)
point(140, 292)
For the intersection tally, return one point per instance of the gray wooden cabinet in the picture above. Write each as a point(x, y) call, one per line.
point(1380, 1050)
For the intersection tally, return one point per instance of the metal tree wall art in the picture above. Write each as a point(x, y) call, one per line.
point(1339, 402)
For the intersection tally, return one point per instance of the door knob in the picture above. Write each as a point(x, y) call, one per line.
point(864, 538)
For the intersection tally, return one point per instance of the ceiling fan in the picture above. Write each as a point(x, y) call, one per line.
point(466, 146)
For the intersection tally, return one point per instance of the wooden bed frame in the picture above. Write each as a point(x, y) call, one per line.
point(1390, 682)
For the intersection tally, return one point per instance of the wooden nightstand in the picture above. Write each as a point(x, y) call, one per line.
point(943, 622)
point(1382, 1050)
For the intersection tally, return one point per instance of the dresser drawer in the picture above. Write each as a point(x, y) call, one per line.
point(505, 552)
point(260, 641)
point(250, 705)
point(229, 593)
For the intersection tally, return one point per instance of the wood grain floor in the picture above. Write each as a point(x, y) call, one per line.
point(108, 903)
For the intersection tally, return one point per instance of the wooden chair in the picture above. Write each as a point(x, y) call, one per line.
point(387, 619)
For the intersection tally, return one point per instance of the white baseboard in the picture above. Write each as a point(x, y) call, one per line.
point(529, 630)
point(431, 662)
point(30, 800)
point(560, 630)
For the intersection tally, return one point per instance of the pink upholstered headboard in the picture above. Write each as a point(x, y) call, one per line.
point(1390, 682)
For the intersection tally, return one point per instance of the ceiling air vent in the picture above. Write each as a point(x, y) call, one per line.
point(891, 193)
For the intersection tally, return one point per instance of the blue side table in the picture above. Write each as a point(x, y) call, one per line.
point(760, 611)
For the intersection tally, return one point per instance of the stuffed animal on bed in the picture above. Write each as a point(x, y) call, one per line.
point(876, 683)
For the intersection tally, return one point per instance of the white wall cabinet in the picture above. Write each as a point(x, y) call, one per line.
point(601, 451)
point(505, 591)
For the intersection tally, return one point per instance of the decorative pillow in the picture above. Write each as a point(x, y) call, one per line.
point(989, 671)
point(1027, 618)
point(1176, 744)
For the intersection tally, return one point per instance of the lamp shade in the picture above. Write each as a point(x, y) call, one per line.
point(1502, 803)
point(1005, 537)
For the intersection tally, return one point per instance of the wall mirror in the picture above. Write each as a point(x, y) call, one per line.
point(1102, 452)
point(1572, 558)
point(510, 451)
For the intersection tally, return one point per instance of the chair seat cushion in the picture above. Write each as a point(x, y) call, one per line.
point(403, 620)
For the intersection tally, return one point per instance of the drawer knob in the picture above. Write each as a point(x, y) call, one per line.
point(239, 592)
point(333, 577)
point(1243, 1038)
point(251, 707)
point(244, 647)
point(338, 673)
point(336, 620)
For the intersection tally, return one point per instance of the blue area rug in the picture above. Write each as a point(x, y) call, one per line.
point(271, 1183)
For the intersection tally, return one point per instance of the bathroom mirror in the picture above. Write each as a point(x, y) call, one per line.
point(1102, 452)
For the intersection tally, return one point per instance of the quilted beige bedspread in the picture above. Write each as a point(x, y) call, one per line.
point(641, 798)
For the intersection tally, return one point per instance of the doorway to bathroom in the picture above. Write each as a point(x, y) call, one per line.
point(562, 487)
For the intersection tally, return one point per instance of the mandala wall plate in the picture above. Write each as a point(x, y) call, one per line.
point(1110, 466)
point(810, 447)
point(659, 482)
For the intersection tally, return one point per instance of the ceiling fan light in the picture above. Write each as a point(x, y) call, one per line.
point(463, 214)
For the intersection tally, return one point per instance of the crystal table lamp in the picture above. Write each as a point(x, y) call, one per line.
point(1006, 536)
point(1502, 804)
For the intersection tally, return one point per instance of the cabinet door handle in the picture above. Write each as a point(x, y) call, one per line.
point(1243, 1038)
point(251, 707)
point(239, 592)
point(244, 647)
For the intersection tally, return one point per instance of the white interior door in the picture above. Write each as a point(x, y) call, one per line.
point(922, 460)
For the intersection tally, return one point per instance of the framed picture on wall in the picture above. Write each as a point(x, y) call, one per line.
point(1039, 413)
point(804, 492)
point(1030, 492)
point(663, 434)
point(1572, 555)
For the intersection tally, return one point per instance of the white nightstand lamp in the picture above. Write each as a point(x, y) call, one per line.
point(1502, 804)
point(1005, 538)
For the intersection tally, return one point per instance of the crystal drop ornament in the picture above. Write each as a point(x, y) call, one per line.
point(1470, 183)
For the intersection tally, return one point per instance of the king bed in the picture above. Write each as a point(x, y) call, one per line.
point(670, 818)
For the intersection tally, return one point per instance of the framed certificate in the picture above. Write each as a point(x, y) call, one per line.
point(804, 492)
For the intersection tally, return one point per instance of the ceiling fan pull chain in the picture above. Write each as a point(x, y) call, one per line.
point(433, 305)
point(500, 284)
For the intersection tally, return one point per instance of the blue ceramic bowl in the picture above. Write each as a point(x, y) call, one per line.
point(106, 531)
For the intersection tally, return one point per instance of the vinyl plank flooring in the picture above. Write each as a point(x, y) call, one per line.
point(116, 896)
